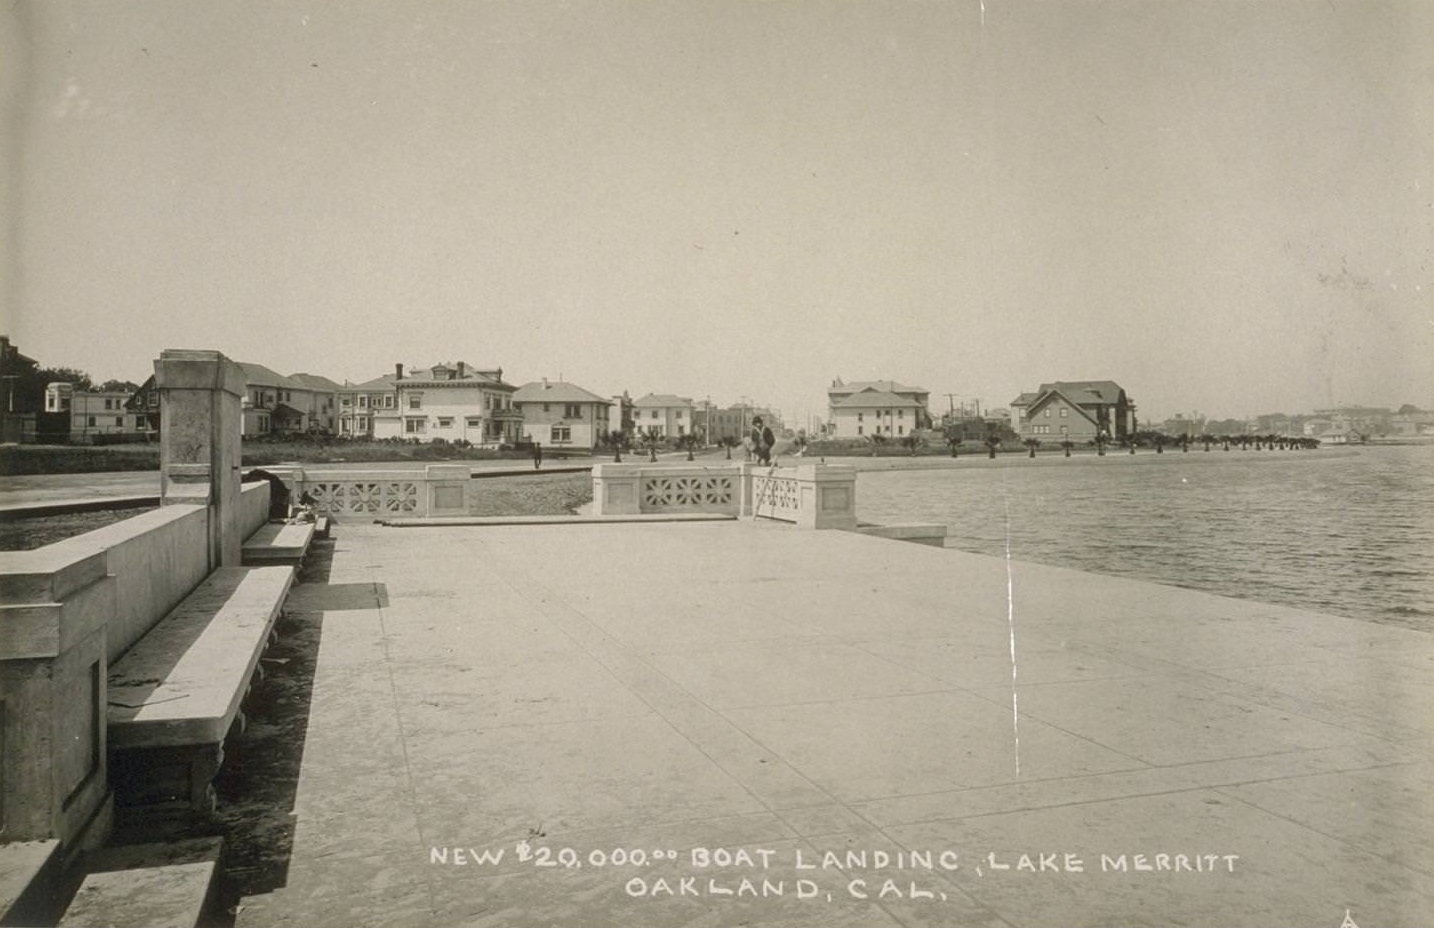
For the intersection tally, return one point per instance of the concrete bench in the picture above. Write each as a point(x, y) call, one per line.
point(175, 694)
point(321, 527)
point(278, 543)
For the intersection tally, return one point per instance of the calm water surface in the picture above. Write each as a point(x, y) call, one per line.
point(1343, 531)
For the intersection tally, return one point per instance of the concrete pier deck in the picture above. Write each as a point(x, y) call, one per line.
point(1161, 757)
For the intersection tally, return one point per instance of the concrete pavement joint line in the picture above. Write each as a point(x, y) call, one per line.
point(402, 740)
point(1356, 845)
point(1011, 623)
point(1126, 792)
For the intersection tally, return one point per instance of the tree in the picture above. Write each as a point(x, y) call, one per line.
point(912, 441)
point(992, 443)
point(688, 441)
point(1068, 445)
point(729, 442)
point(617, 440)
point(652, 435)
point(118, 386)
point(1033, 444)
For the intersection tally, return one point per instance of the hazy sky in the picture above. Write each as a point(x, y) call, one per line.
point(1226, 207)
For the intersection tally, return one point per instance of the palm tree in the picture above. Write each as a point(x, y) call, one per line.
point(992, 443)
point(729, 442)
point(616, 440)
point(652, 435)
point(1068, 445)
point(1100, 440)
point(1033, 444)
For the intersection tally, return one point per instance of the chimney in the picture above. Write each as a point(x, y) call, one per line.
point(545, 383)
point(462, 370)
point(398, 372)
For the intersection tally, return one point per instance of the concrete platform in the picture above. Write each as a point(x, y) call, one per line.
point(524, 725)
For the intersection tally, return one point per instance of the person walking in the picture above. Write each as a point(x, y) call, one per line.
point(762, 441)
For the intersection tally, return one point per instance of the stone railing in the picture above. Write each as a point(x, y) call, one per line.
point(811, 495)
point(435, 490)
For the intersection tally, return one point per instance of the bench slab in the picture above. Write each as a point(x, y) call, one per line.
point(147, 886)
point(181, 684)
point(278, 543)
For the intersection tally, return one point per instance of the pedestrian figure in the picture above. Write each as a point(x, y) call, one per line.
point(537, 455)
point(762, 441)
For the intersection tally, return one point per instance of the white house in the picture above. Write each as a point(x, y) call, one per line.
point(563, 415)
point(670, 415)
point(452, 402)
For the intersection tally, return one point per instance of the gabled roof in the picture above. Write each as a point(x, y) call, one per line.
point(661, 399)
point(316, 382)
point(857, 386)
point(556, 392)
point(370, 386)
point(257, 375)
point(1047, 396)
point(1087, 392)
point(1025, 399)
point(870, 398)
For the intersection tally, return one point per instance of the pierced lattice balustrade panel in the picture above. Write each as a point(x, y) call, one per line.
point(365, 496)
point(699, 492)
point(775, 497)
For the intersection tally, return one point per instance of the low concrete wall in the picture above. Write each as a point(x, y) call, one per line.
point(253, 507)
point(810, 495)
point(437, 490)
point(67, 611)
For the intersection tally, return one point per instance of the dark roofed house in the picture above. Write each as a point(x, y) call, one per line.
point(1074, 410)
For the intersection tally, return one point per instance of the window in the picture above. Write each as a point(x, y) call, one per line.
point(1048, 412)
point(119, 421)
point(414, 426)
point(92, 422)
point(346, 401)
point(1064, 411)
point(561, 433)
point(445, 422)
point(547, 407)
point(363, 402)
point(415, 401)
point(654, 414)
point(572, 411)
point(858, 428)
point(901, 430)
point(858, 418)
point(389, 402)
point(900, 413)
point(473, 422)
point(362, 423)
point(1065, 430)
point(679, 414)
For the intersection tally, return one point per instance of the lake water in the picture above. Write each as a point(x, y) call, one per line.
point(1342, 531)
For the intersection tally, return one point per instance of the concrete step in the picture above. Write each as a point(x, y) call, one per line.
point(147, 886)
point(29, 875)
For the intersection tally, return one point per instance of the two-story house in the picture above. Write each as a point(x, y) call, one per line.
point(563, 415)
point(91, 413)
point(452, 402)
point(1077, 411)
point(670, 415)
point(883, 407)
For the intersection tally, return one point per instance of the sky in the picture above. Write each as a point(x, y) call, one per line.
point(1226, 207)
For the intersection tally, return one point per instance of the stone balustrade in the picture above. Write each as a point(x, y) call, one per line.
point(339, 493)
point(810, 495)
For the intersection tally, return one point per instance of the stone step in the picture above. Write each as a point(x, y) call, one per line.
point(147, 886)
point(28, 877)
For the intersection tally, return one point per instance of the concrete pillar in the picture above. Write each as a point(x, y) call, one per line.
point(445, 488)
point(617, 489)
point(200, 394)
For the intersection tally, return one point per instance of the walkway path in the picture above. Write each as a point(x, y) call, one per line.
point(668, 688)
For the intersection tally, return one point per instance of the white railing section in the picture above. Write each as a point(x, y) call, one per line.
point(812, 495)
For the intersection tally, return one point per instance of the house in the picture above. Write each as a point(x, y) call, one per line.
point(91, 413)
point(361, 404)
point(320, 404)
point(563, 415)
point(885, 407)
point(877, 412)
point(457, 402)
point(1075, 411)
point(273, 403)
point(670, 415)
